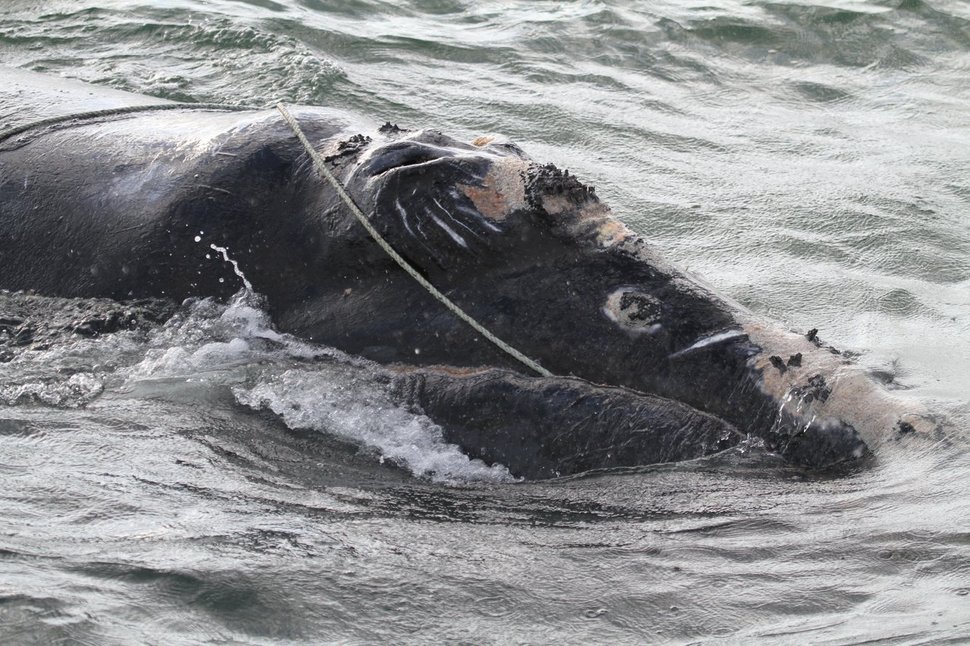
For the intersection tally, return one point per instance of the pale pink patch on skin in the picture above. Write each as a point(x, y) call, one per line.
point(502, 191)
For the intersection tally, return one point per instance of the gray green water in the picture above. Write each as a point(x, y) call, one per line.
point(809, 159)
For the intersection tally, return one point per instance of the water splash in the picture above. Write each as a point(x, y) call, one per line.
point(74, 392)
point(235, 265)
point(308, 386)
point(340, 401)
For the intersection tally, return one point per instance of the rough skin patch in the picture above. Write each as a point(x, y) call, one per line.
point(502, 191)
point(822, 385)
point(633, 309)
point(574, 207)
point(591, 219)
point(30, 323)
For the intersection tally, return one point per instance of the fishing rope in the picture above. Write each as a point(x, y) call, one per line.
point(110, 112)
point(321, 167)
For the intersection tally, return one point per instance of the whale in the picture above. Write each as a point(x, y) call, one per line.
point(104, 196)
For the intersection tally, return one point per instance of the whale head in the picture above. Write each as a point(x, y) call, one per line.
point(536, 257)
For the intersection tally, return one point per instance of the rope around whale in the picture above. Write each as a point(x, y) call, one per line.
point(321, 167)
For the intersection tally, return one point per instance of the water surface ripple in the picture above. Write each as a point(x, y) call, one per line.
point(808, 159)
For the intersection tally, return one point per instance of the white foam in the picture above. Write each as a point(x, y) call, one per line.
point(337, 402)
point(74, 392)
point(308, 386)
point(234, 345)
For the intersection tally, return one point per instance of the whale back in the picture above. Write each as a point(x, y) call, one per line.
point(27, 97)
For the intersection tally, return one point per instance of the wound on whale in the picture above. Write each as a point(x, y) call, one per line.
point(651, 366)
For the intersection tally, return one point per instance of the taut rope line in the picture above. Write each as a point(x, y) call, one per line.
point(389, 250)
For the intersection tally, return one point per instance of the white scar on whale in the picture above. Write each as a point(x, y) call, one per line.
point(709, 341)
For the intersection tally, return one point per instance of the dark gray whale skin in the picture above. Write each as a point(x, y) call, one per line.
point(126, 207)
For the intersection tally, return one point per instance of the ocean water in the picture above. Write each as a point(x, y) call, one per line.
point(209, 480)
